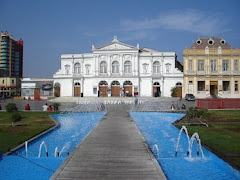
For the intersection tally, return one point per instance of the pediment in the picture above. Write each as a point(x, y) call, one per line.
point(115, 45)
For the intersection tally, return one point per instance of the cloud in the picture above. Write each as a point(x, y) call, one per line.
point(189, 20)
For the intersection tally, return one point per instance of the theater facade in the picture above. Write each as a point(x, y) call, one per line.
point(117, 69)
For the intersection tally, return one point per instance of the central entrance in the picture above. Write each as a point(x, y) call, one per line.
point(115, 89)
point(213, 88)
point(77, 89)
point(156, 89)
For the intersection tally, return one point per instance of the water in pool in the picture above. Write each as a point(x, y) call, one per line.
point(162, 136)
point(72, 130)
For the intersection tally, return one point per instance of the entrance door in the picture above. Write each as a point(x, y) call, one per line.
point(37, 94)
point(128, 91)
point(213, 87)
point(77, 91)
point(57, 90)
point(156, 89)
point(115, 91)
point(179, 92)
point(156, 92)
point(103, 91)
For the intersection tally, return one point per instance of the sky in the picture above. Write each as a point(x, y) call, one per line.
point(50, 28)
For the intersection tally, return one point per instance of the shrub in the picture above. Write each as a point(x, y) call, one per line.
point(16, 117)
point(174, 92)
point(11, 107)
point(55, 106)
point(193, 113)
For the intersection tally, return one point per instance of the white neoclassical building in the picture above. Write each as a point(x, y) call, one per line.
point(118, 69)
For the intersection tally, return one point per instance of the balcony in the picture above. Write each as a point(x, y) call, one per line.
point(4, 42)
point(4, 50)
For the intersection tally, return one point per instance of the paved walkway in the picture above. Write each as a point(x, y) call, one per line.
point(115, 149)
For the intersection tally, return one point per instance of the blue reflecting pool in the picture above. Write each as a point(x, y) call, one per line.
point(71, 131)
point(162, 137)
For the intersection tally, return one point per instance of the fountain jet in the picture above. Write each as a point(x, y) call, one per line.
point(179, 136)
point(40, 149)
point(26, 148)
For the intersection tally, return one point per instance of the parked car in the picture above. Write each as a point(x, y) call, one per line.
point(190, 97)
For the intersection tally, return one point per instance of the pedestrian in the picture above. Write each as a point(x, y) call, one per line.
point(0, 107)
point(136, 101)
point(45, 107)
point(27, 107)
point(49, 108)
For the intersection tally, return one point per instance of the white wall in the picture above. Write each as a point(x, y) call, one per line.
point(66, 87)
point(146, 87)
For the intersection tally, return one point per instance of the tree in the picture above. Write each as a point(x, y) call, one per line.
point(15, 118)
point(12, 108)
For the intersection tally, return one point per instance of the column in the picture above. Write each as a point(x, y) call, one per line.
point(109, 65)
point(162, 86)
point(121, 65)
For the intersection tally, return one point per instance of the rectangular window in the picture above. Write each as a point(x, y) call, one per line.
point(226, 85)
point(190, 65)
point(236, 86)
point(12, 81)
point(190, 82)
point(200, 65)
point(236, 65)
point(213, 65)
point(225, 65)
point(201, 85)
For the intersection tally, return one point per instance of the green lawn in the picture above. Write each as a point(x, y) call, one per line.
point(32, 123)
point(222, 136)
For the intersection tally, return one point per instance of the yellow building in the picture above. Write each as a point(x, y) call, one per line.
point(211, 69)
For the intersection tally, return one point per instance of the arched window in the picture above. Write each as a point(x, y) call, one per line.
point(77, 68)
point(127, 67)
point(77, 84)
point(103, 67)
point(156, 84)
point(103, 83)
point(156, 67)
point(115, 83)
point(127, 83)
point(179, 84)
point(115, 67)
